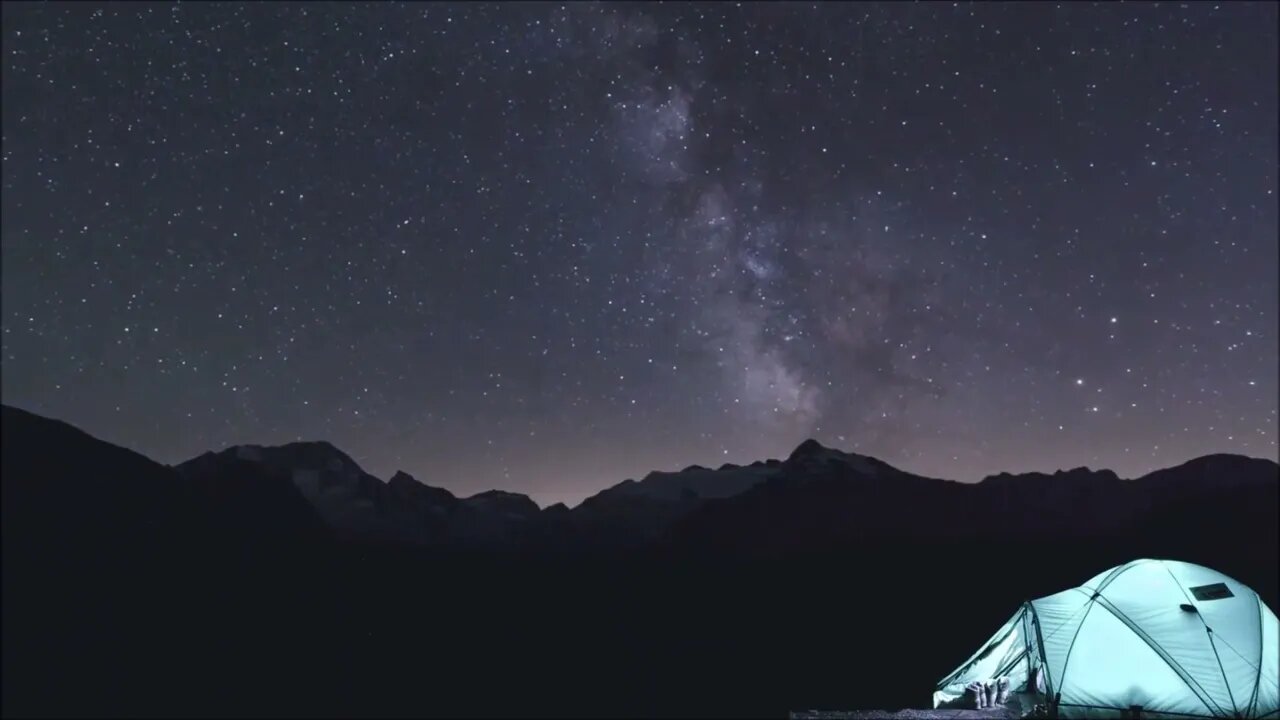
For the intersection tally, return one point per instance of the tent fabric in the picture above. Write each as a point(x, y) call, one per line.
point(1175, 639)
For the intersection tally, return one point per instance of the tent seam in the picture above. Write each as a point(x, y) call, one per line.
point(976, 657)
point(1071, 646)
point(1084, 607)
point(1004, 669)
point(1230, 695)
point(1262, 648)
point(1209, 634)
point(1174, 578)
point(1026, 647)
point(1186, 678)
point(1116, 573)
point(1246, 660)
point(1044, 663)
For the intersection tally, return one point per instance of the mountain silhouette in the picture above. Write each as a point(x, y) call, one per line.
point(287, 580)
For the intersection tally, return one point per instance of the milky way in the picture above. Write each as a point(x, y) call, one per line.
point(544, 248)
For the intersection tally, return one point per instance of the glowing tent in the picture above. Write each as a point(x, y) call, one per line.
point(1150, 638)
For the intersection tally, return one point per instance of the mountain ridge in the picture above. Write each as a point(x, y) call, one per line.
point(810, 447)
point(131, 587)
point(813, 482)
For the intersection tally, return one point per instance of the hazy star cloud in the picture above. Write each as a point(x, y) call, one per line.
point(547, 247)
point(654, 133)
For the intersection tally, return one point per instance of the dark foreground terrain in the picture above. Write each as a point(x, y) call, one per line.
point(243, 585)
point(996, 714)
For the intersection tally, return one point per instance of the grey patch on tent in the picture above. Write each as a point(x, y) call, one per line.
point(1216, 591)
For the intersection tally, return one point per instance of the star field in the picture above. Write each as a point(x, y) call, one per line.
point(546, 247)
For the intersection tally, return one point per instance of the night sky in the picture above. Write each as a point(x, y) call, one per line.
point(544, 248)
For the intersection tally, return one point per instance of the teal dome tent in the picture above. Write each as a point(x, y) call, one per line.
point(1150, 638)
